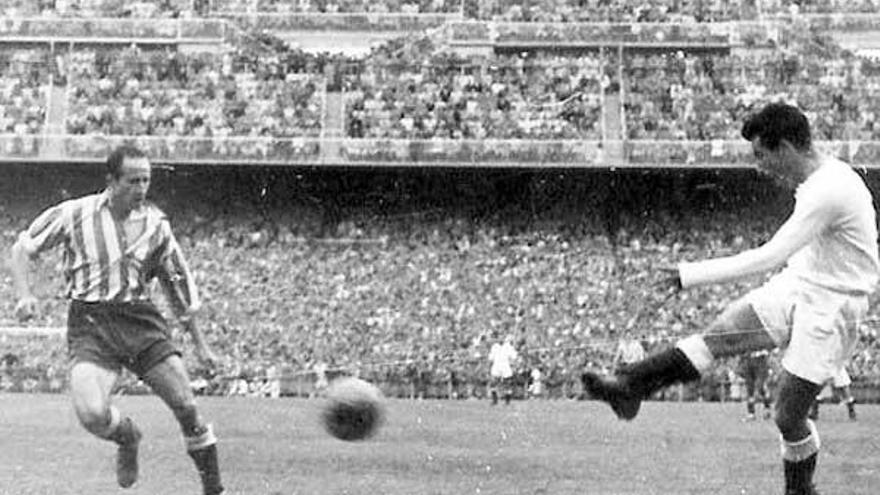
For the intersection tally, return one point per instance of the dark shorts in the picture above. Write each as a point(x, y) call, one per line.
point(115, 335)
point(755, 370)
point(501, 382)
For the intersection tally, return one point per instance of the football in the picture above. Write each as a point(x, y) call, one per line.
point(354, 409)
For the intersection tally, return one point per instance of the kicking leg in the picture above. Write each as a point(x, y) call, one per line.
point(169, 380)
point(90, 388)
point(800, 439)
point(737, 330)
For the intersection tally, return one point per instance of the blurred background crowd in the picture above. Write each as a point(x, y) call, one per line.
point(409, 284)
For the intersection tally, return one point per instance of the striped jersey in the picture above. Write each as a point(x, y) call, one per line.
point(105, 259)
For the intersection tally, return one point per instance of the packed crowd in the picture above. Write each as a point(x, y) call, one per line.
point(702, 96)
point(336, 6)
point(24, 86)
point(98, 8)
point(502, 10)
point(418, 93)
point(264, 100)
point(412, 298)
point(159, 93)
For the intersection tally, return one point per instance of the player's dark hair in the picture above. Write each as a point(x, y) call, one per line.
point(119, 154)
point(778, 121)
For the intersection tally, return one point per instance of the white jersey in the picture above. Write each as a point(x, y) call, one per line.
point(630, 351)
point(829, 241)
point(502, 357)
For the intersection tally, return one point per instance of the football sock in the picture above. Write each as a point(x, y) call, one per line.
point(799, 461)
point(112, 425)
point(750, 406)
point(799, 475)
point(203, 451)
point(658, 371)
point(120, 430)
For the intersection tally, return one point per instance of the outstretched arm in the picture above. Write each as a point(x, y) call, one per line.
point(807, 221)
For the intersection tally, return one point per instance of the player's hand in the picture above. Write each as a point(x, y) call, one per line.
point(207, 358)
point(670, 280)
point(26, 308)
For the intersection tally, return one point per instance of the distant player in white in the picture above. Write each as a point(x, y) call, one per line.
point(629, 350)
point(272, 387)
point(536, 387)
point(838, 388)
point(502, 356)
point(321, 382)
point(812, 308)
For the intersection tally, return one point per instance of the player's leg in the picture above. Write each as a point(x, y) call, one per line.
point(737, 330)
point(764, 390)
point(800, 440)
point(494, 382)
point(751, 386)
point(844, 394)
point(170, 381)
point(90, 389)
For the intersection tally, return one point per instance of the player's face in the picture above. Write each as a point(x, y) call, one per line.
point(129, 190)
point(773, 163)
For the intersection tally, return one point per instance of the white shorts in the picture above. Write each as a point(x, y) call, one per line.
point(841, 379)
point(501, 372)
point(816, 327)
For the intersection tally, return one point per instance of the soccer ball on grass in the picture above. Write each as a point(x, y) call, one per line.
point(353, 410)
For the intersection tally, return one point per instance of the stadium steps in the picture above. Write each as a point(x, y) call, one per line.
point(56, 116)
point(334, 123)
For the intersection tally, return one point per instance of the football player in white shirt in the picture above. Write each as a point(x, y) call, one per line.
point(502, 357)
point(811, 309)
point(629, 349)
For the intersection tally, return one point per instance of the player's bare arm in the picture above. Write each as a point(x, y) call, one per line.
point(26, 306)
point(203, 351)
point(178, 284)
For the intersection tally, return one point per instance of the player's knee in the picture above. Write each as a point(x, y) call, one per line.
point(792, 426)
point(94, 417)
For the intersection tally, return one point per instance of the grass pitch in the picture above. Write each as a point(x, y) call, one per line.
point(271, 447)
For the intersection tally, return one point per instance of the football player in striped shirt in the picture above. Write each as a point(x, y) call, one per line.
point(115, 242)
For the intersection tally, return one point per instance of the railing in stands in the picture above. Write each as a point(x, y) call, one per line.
point(67, 29)
point(461, 30)
point(403, 152)
point(357, 21)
